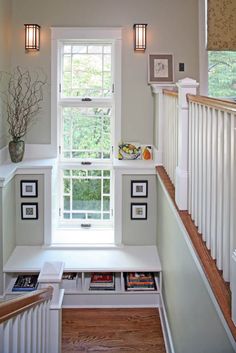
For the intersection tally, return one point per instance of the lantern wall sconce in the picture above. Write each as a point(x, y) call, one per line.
point(32, 37)
point(140, 37)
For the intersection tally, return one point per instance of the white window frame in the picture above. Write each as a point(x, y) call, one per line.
point(111, 34)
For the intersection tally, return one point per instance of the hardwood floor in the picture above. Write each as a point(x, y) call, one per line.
point(112, 330)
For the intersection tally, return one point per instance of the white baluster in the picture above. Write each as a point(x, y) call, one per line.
point(200, 168)
point(209, 170)
point(15, 335)
point(232, 190)
point(204, 174)
point(23, 333)
point(1, 338)
point(7, 337)
point(214, 182)
point(29, 331)
point(220, 183)
point(193, 160)
point(226, 196)
point(196, 166)
point(233, 286)
point(190, 160)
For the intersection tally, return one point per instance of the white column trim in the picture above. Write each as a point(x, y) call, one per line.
point(185, 86)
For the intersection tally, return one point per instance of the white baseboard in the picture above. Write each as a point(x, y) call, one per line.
point(166, 328)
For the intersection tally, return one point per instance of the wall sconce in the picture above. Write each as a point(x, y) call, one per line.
point(32, 37)
point(140, 37)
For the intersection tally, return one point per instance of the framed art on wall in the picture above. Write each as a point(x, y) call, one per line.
point(139, 188)
point(29, 211)
point(138, 211)
point(29, 188)
point(160, 68)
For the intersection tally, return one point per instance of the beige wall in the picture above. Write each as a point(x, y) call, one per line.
point(5, 31)
point(172, 28)
point(139, 232)
point(194, 322)
point(29, 232)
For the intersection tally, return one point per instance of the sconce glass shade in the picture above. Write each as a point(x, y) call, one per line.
point(32, 37)
point(140, 37)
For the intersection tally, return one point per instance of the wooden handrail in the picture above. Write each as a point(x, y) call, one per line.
point(20, 304)
point(213, 102)
point(169, 92)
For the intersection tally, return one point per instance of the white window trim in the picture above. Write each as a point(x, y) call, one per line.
point(58, 34)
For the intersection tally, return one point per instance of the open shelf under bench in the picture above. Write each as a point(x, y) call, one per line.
point(83, 262)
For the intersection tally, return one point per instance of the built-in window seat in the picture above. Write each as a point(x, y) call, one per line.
point(83, 263)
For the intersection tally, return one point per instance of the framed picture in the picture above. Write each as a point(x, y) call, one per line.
point(138, 211)
point(29, 188)
point(29, 211)
point(160, 68)
point(139, 188)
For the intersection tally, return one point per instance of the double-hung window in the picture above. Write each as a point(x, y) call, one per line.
point(86, 113)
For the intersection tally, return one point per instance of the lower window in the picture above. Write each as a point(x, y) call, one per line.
point(86, 198)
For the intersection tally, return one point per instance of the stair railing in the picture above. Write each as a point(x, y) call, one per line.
point(25, 323)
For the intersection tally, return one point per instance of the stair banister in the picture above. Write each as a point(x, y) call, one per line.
point(24, 323)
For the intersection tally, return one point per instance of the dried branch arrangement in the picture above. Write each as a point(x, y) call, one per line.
point(22, 98)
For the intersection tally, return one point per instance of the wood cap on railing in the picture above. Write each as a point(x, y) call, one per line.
point(13, 307)
point(221, 104)
point(169, 92)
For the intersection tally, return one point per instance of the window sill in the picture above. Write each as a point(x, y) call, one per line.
point(83, 238)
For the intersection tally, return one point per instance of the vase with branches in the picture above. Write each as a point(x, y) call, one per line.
point(22, 98)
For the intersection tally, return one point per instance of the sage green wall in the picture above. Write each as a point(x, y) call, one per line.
point(172, 28)
point(194, 322)
point(5, 31)
point(29, 232)
point(139, 232)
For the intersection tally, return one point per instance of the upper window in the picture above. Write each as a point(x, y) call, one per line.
point(87, 70)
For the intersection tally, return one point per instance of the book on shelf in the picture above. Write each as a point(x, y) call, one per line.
point(25, 283)
point(142, 281)
point(102, 281)
point(69, 276)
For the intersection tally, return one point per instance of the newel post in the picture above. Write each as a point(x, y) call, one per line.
point(185, 86)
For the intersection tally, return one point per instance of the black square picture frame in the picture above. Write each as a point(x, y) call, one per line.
point(29, 211)
point(139, 188)
point(29, 188)
point(138, 211)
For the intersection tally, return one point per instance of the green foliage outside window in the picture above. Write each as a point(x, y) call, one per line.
point(222, 74)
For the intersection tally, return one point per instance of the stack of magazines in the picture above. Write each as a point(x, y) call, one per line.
point(25, 283)
point(102, 281)
point(136, 281)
